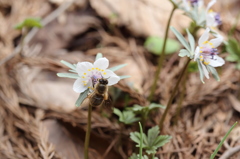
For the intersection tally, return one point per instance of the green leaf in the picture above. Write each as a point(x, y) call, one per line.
point(73, 67)
point(232, 58)
point(117, 67)
point(162, 140)
point(68, 75)
point(184, 52)
point(191, 41)
point(220, 144)
point(155, 45)
point(233, 47)
point(129, 117)
point(117, 112)
point(181, 38)
point(123, 77)
point(214, 72)
point(99, 55)
point(29, 23)
point(152, 135)
point(154, 105)
point(81, 98)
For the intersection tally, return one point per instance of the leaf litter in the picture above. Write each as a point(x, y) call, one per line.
point(38, 118)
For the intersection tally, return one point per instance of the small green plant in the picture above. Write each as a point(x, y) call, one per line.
point(155, 44)
point(126, 116)
point(220, 144)
point(151, 142)
point(233, 48)
point(29, 23)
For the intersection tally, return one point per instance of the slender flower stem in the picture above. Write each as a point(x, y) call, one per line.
point(173, 94)
point(161, 58)
point(88, 132)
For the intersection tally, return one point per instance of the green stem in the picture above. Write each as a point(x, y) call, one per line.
point(161, 58)
point(141, 140)
point(173, 94)
point(87, 137)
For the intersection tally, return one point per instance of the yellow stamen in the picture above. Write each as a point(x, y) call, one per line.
point(210, 11)
point(210, 43)
point(206, 63)
point(201, 56)
point(104, 73)
point(201, 59)
point(89, 69)
point(205, 42)
point(200, 51)
point(85, 73)
point(93, 68)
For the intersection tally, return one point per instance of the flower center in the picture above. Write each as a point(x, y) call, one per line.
point(208, 52)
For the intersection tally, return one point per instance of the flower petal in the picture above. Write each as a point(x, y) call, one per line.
point(113, 80)
point(205, 71)
point(217, 41)
point(218, 61)
point(210, 4)
point(111, 76)
point(186, 5)
point(196, 53)
point(204, 37)
point(78, 86)
point(101, 63)
point(82, 67)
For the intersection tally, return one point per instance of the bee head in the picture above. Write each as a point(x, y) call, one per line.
point(103, 81)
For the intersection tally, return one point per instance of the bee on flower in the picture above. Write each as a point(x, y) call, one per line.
point(89, 74)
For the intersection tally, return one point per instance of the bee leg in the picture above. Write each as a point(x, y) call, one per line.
point(106, 94)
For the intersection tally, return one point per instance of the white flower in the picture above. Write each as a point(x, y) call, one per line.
point(89, 74)
point(207, 52)
point(213, 19)
point(192, 3)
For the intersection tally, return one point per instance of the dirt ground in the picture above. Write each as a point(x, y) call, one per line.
point(38, 117)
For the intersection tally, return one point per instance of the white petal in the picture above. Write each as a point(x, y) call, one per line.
point(210, 20)
point(111, 76)
point(78, 86)
point(186, 6)
point(82, 67)
point(205, 71)
point(113, 80)
point(217, 41)
point(196, 53)
point(204, 37)
point(218, 61)
point(210, 4)
point(101, 63)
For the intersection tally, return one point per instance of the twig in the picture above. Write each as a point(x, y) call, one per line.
point(33, 32)
point(230, 152)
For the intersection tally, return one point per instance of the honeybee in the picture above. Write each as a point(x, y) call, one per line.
point(100, 94)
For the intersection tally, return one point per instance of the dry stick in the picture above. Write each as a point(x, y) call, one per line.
point(230, 152)
point(161, 58)
point(173, 94)
point(33, 32)
point(88, 132)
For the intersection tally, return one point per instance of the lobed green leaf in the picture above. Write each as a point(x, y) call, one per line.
point(68, 75)
point(181, 38)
